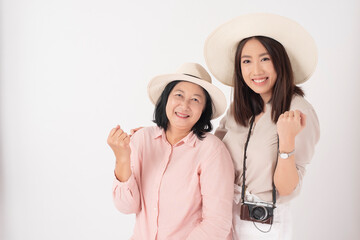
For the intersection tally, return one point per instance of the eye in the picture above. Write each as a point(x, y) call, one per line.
point(196, 100)
point(246, 61)
point(178, 95)
point(265, 59)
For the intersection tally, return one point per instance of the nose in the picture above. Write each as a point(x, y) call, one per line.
point(258, 70)
point(185, 104)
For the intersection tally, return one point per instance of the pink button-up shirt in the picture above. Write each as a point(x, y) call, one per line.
point(178, 192)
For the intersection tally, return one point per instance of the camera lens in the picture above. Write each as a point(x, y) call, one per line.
point(259, 213)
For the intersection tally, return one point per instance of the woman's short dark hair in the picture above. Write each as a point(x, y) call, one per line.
point(246, 102)
point(201, 126)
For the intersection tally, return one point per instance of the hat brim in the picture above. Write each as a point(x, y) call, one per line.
point(220, 46)
point(157, 85)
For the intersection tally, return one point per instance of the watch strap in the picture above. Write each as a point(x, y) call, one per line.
point(286, 155)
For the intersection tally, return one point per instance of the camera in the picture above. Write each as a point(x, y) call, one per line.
point(257, 212)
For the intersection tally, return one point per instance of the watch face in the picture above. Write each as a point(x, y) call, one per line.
point(284, 155)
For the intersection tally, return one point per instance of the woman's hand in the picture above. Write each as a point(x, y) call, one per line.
point(290, 124)
point(119, 141)
point(134, 130)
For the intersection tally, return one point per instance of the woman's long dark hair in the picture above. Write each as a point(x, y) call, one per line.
point(201, 126)
point(248, 103)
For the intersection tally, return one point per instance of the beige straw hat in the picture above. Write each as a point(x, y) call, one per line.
point(221, 45)
point(194, 73)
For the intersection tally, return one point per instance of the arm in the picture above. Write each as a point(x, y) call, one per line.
point(292, 126)
point(126, 194)
point(217, 189)
point(289, 125)
point(119, 142)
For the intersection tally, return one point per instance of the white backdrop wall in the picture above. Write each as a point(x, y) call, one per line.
point(73, 69)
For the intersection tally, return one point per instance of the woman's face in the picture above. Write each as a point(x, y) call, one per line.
point(257, 69)
point(185, 105)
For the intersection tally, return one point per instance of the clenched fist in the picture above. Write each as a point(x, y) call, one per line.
point(119, 141)
point(290, 124)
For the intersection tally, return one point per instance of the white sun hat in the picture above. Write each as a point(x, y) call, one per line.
point(194, 73)
point(221, 45)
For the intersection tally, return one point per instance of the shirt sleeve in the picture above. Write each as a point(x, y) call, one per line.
point(305, 143)
point(221, 130)
point(126, 195)
point(217, 190)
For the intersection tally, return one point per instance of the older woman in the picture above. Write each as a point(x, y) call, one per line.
point(176, 177)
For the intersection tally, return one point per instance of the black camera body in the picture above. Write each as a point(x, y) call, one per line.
point(257, 212)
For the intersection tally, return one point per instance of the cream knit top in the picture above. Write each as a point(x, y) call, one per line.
point(262, 149)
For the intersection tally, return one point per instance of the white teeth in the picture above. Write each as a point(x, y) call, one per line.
point(259, 80)
point(181, 115)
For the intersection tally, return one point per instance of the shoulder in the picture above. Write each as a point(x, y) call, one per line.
point(212, 143)
point(145, 133)
point(211, 139)
point(300, 103)
point(312, 122)
point(228, 120)
point(214, 153)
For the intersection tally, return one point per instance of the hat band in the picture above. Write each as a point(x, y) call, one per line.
point(191, 75)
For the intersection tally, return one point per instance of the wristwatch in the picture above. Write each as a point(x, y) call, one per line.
point(285, 155)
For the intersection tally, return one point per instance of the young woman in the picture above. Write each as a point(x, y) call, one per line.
point(176, 177)
point(270, 129)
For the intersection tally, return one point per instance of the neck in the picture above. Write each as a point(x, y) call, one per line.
point(257, 117)
point(266, 98)
point(175, 135)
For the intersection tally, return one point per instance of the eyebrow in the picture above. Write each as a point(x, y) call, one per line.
point(261, 55)
point(176, 90)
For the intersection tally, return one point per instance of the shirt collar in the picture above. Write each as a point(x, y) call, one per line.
point(191, 139)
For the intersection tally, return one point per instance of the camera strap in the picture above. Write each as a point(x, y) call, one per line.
point(243, 188)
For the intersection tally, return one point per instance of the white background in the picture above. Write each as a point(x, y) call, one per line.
point(72, 69)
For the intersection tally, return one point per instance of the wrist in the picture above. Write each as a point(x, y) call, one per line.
point(286, 145)
point(122, 171)
point(286, 155)
point(121, 160)
point(122, 156)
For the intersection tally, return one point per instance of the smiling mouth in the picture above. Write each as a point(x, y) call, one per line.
point(260, 80)
point(182, 115)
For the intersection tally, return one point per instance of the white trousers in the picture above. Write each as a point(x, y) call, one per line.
point(281, 229)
